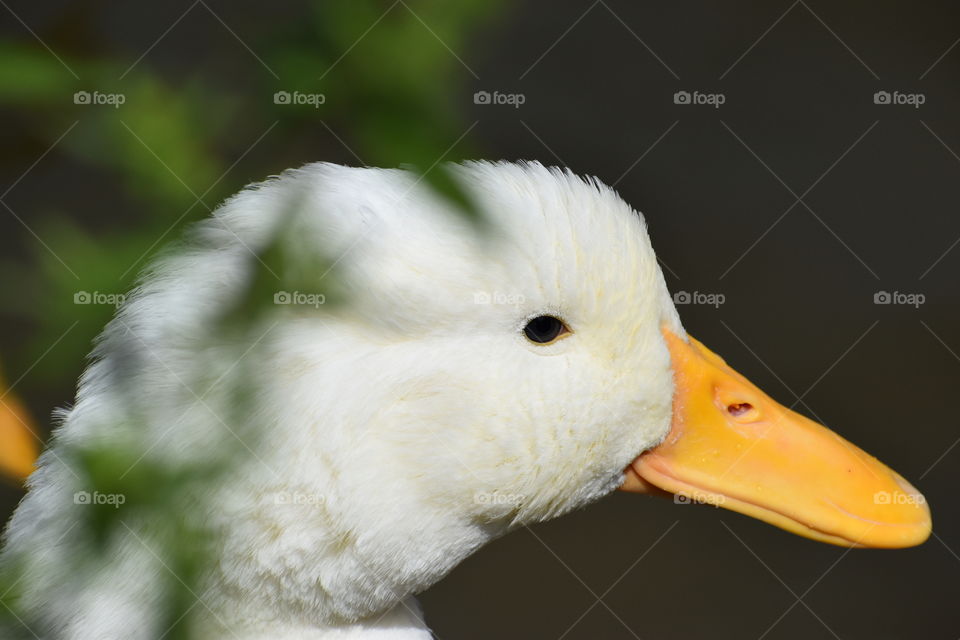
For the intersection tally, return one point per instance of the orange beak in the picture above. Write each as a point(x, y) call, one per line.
point(733, 446)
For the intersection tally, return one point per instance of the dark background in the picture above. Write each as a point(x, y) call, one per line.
point(716, 187)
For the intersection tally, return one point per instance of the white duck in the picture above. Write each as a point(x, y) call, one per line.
point(470, 384)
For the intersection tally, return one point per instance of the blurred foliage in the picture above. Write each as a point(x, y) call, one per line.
point(386, 71)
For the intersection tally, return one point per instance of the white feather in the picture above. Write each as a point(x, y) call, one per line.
point(393, 435)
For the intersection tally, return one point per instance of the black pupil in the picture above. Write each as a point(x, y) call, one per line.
point(543, 329)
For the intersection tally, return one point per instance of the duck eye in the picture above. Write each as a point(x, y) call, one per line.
point(544, 329)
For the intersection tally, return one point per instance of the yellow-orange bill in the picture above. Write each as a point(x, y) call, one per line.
point(733, 446)
point(18, 440)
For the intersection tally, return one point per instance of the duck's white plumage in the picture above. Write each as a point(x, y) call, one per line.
point(387, 422)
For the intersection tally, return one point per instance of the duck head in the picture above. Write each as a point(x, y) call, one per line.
point(476, 383)
point(471, 383)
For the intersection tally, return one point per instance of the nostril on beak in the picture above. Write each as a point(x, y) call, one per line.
point(739, 408)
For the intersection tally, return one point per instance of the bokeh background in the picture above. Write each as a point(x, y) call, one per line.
point(797, 202)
